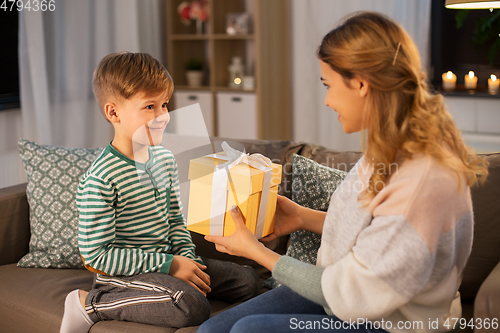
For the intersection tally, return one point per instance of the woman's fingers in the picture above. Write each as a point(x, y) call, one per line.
point(269, 238)
point(237, 217)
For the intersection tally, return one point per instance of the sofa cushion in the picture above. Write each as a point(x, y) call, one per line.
point(32, 300)
point(485, 253)
point(53, 177)
point(312, 186)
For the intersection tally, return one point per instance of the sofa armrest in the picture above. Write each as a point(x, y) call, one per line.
point(14, 224)
point(487, 302)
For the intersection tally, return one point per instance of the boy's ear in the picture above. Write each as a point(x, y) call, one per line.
point(111, 112)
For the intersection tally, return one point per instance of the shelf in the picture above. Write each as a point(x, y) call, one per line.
point(460, 91)
point(227, 89)
point(190, 37)
point(184, 87)
point(261, 51)
point(232, 37)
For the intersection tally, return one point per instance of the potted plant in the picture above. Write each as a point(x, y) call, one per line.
point(194, 72)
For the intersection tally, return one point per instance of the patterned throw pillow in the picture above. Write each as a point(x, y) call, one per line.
point(312, 186)
point(53, 177)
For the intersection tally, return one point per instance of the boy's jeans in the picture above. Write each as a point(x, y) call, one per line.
point(162, 300)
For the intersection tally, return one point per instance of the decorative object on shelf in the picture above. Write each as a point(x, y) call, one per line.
point(248, 83)
point(449, 81)
point(238, 23)
point(470, 80)
point(472, 4)
point(194, 72)
point(195, 10)
point(493, 83)
point(486, 30)
point(236, 69)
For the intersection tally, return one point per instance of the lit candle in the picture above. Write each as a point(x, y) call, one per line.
point(493, 83)
point(449, 81)
point(470, 81)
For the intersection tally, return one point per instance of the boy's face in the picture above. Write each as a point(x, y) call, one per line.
point(142, 118)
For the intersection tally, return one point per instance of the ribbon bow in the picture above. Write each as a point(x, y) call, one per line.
point(219, 186)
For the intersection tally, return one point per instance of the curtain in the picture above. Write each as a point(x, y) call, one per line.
point(58, 52)
point(311, 20)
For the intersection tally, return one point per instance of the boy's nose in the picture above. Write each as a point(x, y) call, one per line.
point(163, 118)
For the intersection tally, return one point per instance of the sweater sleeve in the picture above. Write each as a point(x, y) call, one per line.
point(180, 238)
point(96, 235)
point(303, 278)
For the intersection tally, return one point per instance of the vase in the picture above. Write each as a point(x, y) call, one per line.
point(194, 78)
point(199, 27)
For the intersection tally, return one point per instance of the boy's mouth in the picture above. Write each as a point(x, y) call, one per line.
point(157, 127)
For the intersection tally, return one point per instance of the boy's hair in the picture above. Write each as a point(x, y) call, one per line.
point(122, 75)
point(401, 113)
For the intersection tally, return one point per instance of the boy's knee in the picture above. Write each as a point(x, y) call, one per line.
point(196, 309)
point(250, 283)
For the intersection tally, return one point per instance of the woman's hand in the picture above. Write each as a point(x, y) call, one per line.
point(288, 219)
point(191, 272)
point(243, 243)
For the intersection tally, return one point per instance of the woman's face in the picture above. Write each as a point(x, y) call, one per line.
point(348, 102)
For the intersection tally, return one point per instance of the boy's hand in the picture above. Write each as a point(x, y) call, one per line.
point(190, 272)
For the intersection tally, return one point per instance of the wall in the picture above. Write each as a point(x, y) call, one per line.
point(11, 168)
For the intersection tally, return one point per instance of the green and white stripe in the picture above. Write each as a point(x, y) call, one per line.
point(130, 214)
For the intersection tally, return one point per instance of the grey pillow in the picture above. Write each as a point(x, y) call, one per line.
point(53, 177)
point(312, 186)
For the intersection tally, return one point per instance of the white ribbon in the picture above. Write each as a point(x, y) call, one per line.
point(219, 187)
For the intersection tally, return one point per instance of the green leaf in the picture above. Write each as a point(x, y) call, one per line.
point(460, 17)
point(493, 51)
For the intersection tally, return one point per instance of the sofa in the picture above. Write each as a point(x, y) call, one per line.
point(32, 299)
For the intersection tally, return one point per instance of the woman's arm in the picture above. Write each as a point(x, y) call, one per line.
point(291, 217)
point(312, 220)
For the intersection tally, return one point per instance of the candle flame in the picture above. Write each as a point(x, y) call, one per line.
point(493, 77)
point(471, 74)
point(449, 75)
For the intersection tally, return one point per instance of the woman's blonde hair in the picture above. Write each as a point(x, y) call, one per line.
point(401, 114)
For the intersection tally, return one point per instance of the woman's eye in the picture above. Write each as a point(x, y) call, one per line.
point(326, 86)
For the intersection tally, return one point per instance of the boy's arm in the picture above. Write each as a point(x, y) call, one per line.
point(96, 235)
point(179, 236)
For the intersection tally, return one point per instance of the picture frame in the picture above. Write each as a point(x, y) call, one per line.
point(238, 24)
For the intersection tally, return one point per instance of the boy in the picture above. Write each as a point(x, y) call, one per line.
point(132, 233)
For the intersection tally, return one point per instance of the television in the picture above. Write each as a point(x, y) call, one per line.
point(9, 68)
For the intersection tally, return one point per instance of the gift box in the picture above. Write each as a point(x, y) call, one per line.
point(219, 181)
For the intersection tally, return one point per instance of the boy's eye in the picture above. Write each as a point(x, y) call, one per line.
point(150, 107)
point(164, 105)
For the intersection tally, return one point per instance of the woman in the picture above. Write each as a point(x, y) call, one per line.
point(398, 230)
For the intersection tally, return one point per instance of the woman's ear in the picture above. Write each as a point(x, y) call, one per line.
point(111, 112)
point(363, 87)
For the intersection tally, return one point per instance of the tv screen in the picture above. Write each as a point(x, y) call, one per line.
point(9, 69)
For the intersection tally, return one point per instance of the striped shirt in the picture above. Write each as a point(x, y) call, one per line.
point(130, 214)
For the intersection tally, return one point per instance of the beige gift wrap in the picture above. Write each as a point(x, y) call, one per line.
point(219, 181)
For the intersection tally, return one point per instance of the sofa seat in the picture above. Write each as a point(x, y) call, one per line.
point(34, 301)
